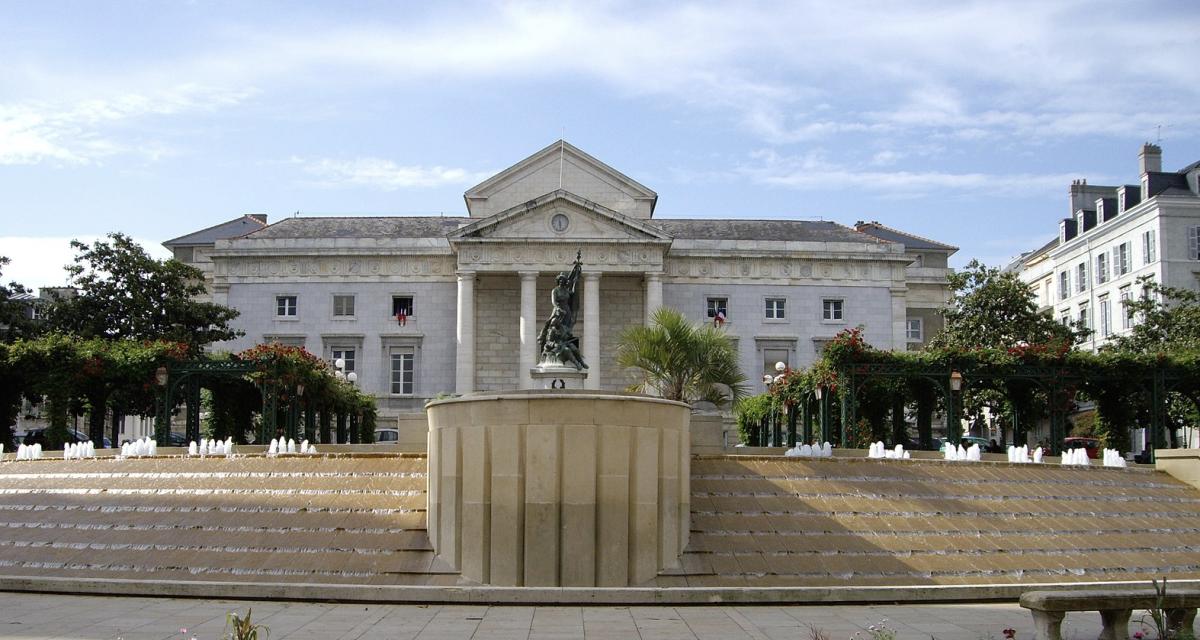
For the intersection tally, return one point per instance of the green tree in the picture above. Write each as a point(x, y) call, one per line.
point(996, 309)
point(124, 293)
point(680, 361)
point(1168, 320)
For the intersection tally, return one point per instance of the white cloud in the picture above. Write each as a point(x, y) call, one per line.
point(38, 261)
point(78, 132)
point(383, 174)
point(814, 172)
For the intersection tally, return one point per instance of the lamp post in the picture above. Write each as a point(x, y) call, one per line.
point(163, 424)
point(822, 411)
point(953, 428)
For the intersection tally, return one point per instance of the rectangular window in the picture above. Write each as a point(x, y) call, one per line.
point(1105, 317)
point(1081, 278)
point(402, 305)
point(833, 310)
point(771, 358)
point(1102, 268)
point(1149, 247)
point(1064, 285)
point(343, 306)
point(1084, 319)
point(1126, 314)
point(402, 372)
point(913, 330)
point(345, 355)
point(1193, 243)
point(285, 306)
point(1064, 317)
point(718, 307)
point(1121, 259)
point(775, 308)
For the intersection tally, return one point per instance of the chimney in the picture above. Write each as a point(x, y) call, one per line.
point(261, 217)
point(1150, 159)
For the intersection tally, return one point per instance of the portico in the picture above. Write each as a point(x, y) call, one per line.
point(535, 241)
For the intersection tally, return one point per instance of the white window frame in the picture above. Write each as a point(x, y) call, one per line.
point(409, 353)
point(710, 310)
point(1121, 264)
point(412, 305)
point(1126, 295)
point(1193, 235)
point(353, 306)
point(340, 351)
point(1085, 316)
point(908, 330)
point(280, 305)
point(1064, 284)
point(1102, 267)
point(1105, 317)
point(1149, 246)
point(833, 310)
point(1081, 277)
point(774, 312)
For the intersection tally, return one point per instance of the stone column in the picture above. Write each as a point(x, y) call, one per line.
point(591, 328)
point(529, 328)
point(464, 379)
point(654, 297)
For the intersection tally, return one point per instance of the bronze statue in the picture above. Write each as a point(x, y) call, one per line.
point(556, 342)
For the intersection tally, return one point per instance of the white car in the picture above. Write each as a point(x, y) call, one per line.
point(387, 436)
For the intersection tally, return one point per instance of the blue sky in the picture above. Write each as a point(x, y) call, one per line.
point(964, 122)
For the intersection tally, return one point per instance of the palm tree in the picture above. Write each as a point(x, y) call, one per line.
point(680, 361)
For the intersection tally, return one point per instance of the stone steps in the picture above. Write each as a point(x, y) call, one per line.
point(342, 519)
point(759, 521)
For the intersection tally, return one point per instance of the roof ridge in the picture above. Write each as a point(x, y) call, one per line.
point(906, 233)
point(244, 216)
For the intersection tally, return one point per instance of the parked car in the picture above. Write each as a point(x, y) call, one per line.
point(1091, 444)
point(38, 436)
point(387, 436)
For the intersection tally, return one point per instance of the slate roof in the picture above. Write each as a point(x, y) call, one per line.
point(909, 240)
point(780, 230)
point(440, 227)
point(364, 227)
point(232, 229)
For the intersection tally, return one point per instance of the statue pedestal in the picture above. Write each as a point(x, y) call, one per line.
point(557, 376)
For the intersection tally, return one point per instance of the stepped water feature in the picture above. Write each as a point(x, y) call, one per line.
point(759, 521)
point(331, 519)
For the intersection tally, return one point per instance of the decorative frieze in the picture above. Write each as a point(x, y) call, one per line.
point(335, 266)
point(774, 268)
point(539, 256)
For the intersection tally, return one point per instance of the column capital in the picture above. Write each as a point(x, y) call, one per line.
point(652, 276)
point(528, 275)
point(465, 273)
point(591, 276)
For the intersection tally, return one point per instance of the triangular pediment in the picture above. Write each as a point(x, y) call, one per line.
point(560, 166)
point(560, 215)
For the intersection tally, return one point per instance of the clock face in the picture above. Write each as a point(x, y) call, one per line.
point(560, 222)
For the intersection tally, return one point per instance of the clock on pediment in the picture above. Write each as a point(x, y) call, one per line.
point(559, 222)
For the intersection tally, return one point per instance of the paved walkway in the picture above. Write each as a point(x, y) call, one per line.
point(42, 617)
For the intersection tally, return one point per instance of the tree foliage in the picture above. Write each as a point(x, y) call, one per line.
point(124, 293)
point(1168, 320)
point(992, 308)
point(680, 361)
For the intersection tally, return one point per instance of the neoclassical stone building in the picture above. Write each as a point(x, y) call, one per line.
point(422, 306)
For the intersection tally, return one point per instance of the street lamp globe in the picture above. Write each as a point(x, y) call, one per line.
point(781, 367)
point(352, 377)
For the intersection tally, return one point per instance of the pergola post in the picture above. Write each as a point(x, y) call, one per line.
point(193, 408)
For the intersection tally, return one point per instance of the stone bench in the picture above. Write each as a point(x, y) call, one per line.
point(1115, 607)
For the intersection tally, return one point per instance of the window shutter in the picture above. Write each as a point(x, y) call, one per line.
point(1194, 243)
